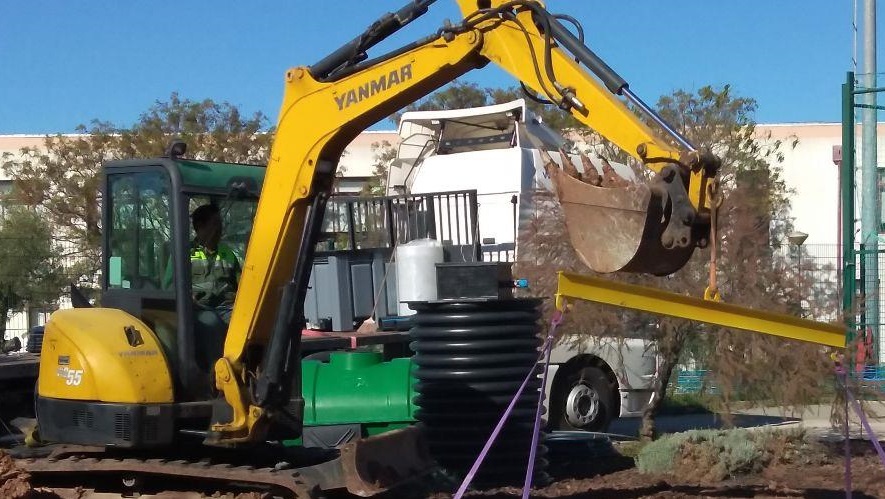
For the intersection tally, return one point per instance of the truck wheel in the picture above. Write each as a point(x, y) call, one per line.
point(583, 400)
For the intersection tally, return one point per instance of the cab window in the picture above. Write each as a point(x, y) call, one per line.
point(140, 230)
point(237, 215)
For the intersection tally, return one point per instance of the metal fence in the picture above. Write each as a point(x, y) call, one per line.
point(867, 315)
point(353, 223)
point(813, 271)
point(818, 270)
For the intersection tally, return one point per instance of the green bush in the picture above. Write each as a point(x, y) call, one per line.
point(659, 456)
point(721, 454)
point(687, 403)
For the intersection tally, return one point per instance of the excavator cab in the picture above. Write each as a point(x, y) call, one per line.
point(147, 309)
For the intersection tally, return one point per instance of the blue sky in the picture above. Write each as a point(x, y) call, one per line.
point(64, 63)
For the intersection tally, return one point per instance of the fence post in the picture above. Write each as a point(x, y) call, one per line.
point(351, 230)
point(847, 175)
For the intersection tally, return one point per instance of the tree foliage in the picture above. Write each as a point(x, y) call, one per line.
point(30, 263)
point(212, 131)
point(754, 221)
point(62, 177)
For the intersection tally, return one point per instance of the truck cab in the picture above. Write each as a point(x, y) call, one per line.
point(492, 149)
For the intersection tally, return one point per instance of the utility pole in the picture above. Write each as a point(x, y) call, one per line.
point(869, 223)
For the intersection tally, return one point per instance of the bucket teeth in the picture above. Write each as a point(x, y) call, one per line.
point(611, 177)
point(592, 176)
point(568, 167)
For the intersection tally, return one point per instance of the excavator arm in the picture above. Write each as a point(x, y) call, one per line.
point(327, 105)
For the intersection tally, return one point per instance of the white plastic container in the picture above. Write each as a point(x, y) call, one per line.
point(416, 272)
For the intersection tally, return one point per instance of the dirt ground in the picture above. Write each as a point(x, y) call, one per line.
point(15, 484)
point(826, 481)
point(616, 477)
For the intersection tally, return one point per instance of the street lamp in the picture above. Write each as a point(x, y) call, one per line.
point(797, 238)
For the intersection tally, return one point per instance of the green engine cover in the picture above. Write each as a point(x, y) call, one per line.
point(358, 387)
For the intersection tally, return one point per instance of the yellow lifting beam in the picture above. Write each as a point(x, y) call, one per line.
point(661, 302)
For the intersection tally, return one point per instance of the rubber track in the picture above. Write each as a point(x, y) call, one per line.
point(281, 481)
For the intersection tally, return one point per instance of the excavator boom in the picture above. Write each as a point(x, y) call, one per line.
point(327, 105)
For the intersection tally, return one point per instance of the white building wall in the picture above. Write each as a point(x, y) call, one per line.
point(809, 170)
point(358, 159)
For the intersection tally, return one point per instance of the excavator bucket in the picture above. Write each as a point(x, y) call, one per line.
point(620, 225)
point(376, 464)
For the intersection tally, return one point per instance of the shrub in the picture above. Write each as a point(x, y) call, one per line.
point(720, 454)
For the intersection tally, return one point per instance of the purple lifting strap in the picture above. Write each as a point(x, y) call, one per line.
point(843, 380)
point(545, 349)
point(530, 468)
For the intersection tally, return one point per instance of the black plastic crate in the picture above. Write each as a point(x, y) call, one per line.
point(474, 280)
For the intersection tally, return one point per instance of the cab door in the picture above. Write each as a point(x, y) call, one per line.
point(138, 269)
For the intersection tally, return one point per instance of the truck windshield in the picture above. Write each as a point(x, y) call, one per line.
point(475, 134)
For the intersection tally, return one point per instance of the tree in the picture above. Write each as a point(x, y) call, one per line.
point(30, 265)
point(754, 220)
point(62, 178)
point(212, 131)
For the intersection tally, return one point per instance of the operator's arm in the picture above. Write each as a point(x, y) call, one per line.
point(649, 228)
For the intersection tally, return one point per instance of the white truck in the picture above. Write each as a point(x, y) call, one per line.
point(491, 149)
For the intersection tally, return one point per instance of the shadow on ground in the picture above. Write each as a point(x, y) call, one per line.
point(704, 421)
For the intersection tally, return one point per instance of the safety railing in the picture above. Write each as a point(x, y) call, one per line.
point(355, 223)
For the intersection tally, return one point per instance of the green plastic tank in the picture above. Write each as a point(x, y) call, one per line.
point(358, 387)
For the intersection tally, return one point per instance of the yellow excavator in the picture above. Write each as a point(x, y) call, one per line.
point(126, 374)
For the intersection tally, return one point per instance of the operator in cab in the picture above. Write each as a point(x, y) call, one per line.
point(215, 269)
